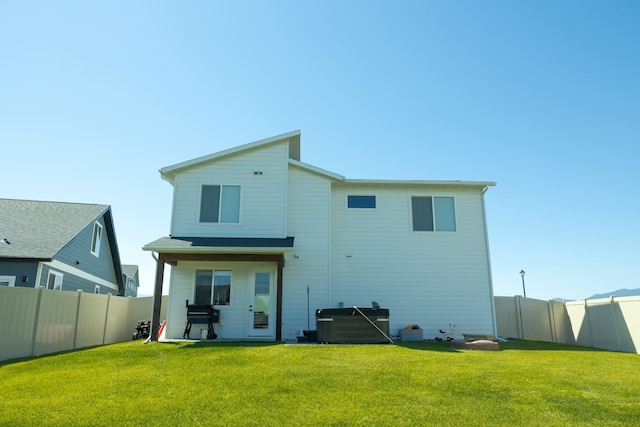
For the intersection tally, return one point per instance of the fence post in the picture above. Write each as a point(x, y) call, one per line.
point(552, 325)
point(519, 316)
point(75, 326)
point(588, 321)
point(106, 320)
point(35, 321)
point(615, 322)
point(129, 309)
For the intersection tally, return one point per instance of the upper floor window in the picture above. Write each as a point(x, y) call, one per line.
point(361, 202)
point(96, 238)
point(433, 214)
point(220, 203)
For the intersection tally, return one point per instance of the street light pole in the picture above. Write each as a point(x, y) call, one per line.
point(523, 288)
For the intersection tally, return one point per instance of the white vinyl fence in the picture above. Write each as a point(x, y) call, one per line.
point(608, 323)
point(38, 321)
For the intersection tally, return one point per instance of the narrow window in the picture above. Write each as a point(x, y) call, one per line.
point(203, 287)
point(54, 281)
point(220, 204)
point(361, 202)
point(445, 213)
point(210, 203)
point(230, 204)
point(96, 238)
point(222, 288)
point(422, 213)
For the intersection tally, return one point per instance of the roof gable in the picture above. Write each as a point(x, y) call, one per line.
point(319, 171)
point(169, 172)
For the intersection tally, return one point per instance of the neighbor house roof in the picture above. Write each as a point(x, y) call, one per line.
point(129, 269)
point(169, 172)
point(36, 229)
point(220, 244)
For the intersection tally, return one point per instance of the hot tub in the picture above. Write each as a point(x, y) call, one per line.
point(349, 326)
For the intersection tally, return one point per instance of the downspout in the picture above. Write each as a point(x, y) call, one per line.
point(486, 240)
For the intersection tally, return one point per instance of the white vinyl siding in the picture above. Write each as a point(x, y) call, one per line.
point(263, 196)
point(430, 279)
point(309, 221)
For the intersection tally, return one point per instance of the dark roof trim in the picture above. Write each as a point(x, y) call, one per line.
point(237, 242)
point(24, 259)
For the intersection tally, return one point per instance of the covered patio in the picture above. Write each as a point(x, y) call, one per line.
point(172, 250)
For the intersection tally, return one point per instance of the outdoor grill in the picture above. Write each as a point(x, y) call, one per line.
point(201, 314)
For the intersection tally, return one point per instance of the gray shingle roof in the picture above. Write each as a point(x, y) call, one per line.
point(129, 269)
point(39, 230)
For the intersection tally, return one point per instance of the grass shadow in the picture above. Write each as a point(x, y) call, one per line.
point(46, 355)
point(206, 344)
point(442, 347)
point(520, 345)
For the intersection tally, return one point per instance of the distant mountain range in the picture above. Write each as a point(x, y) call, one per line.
point(619, 293)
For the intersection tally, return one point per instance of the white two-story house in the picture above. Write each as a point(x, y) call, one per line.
point(268, 239)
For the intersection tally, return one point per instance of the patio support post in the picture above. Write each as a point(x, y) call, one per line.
point(157, 297)
point(279, 300)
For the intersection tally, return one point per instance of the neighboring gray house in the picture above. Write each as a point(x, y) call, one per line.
point(131, 280)
point(59, 246)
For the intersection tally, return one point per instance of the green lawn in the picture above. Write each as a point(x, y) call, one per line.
point(272, 384)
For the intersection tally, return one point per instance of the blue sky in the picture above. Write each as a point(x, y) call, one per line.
point(542, 97)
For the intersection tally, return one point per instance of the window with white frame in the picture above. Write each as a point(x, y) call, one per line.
point(220, 204)
point(7, 280)
point(96, 238)
point(213, 287)
point(433, 213)
point(54, 281)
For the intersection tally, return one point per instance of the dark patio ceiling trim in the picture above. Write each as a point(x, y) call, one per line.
point(174, 258)
point(238, 242)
